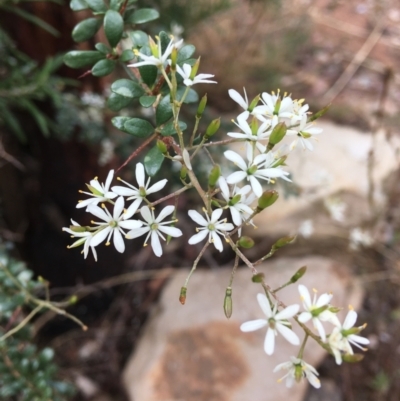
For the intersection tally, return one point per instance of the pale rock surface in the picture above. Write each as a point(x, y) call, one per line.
point(193, 353)
point(337, 168)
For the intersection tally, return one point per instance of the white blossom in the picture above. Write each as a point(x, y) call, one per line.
point(98, 192)
point(186, 71)
point(140, 193)
point(276, 322)
point(276, 108)
point(84, 236)
point(304, 134)
point(297, 369)
point(262, 133)
point(114, 225)
point(154, 227)
point(253, 170)
point(211, 226)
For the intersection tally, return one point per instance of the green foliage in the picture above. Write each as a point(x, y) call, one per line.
point(153, 161)
point(26, 373)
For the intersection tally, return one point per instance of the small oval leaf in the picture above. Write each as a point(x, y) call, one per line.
point(113, 27)
point(163, 111)
point(86, 29)
point(127, 55)
point(116, 102)
point(143, 15)
point(78, 5)
point(153, 161)
point(103, 68)
point(139, 38)
point(127, 88)
point(115, 4)
point(138, 128)
point(185, 53)
point(119, 121)
point(101, 47)
point(147, 101)
point(79, 59)
point(97, 6)
point(169, 128)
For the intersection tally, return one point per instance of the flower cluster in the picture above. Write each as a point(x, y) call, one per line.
point(319, 311)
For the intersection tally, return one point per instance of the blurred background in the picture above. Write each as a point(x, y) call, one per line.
point(56, 135)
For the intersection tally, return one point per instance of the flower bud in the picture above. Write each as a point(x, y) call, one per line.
point(153, 47)
point(235, 200)
point(183, 173)
point(182, 295)
point(162, 147)
point(254, 103)
point(202, 106)
point(213, 178)
point(299, 274)
point(319, 114)
point(283, 242)
point(258, 278)
point(212, 128)
point(93, 190)
point(73, 300)
point(254, 126)
point(352, 358)
point(174, 57)
point(228, 302)
point(195, 68)
point(278, 133)
point(246, 242)
point(267, 199)
point(77, 229)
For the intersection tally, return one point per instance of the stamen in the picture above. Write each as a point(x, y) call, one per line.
point(351, 307)
point(107, 243)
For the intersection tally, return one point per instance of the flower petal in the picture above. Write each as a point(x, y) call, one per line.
point(350, 319)
point(269, 342)
point(217, 241)
point(264, 305)
point(140, 177)
point(198, 237)
point(253, 325)
point(288, 312)
point(155, 244)
point(197, 218)
point(118, 241)
point(164, 213)
point(172, 231)
point(290, 335)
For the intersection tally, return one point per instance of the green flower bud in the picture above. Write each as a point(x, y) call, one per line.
point(202, 106)
point(215, 173)
point(77, 229)
point(267, 199)
point(195, 68)
point(228, 302)
point(93, 190)
point(283, 242)
point(278, 133)
point(73, 300)
point(279, 162)
point(319, 114)
point(246, 242)
point(235, 200)
point(174, 57)
point(212, 128)
point(153, 47)
point(183, 173)
point(258, 278)
point(352, 358)
point(254, 126)
point(254, 103)
point(162, 147)
point(182, 295)
point(299, 274)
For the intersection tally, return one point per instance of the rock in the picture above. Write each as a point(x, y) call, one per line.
point(193, 353)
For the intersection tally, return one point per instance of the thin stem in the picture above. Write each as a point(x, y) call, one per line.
point(206, 245)
point(235, 265)
point(196, 126)
point(303, 344)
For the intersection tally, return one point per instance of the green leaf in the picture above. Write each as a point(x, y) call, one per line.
point(153, 161)
point(149, 74)
point(86, 29)
point(138, 128)
point(163, 111)
point(78, 5)
point(102, 48)
point(127, 55)
point(113, 27)
point(115, 4)
point(12, 123)
point(143, 15)
point(169, 128)
point(147, 101)
point(185, 53)
point(97, 6)
point(117, 102)
point(139, 38)
point(103, 68)
point(164, 40)
point(191, 97)
point(38, 116)
point(127, 88)
point(119, 121)
point(79, 58)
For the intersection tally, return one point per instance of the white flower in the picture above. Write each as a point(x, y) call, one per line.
point(236, 202)
point(275, 108)
point(263, 131)
point(114, 226)
point(154, 227)
point(253, 170)
point(343, 336)
point(243, 102)
point(360, 237)
point(186, 71)
point(84, 238)
point(99, 192)
point(306, 228)
point(139, 193)
point(316, 310)
point(212, 226)
point(336, 208)
point(158, 58)
point(304, 134)
point(299, 110)
point(297, 370)
point(276, 321)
